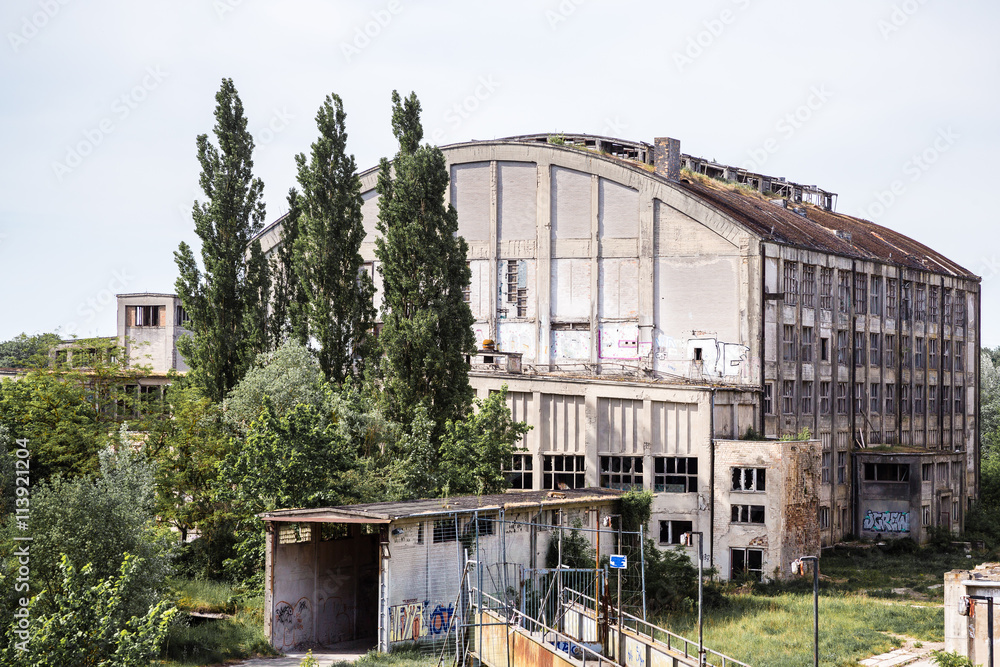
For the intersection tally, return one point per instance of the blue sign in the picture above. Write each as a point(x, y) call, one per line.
point(619, 562)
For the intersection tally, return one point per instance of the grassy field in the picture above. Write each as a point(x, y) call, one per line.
point(193, 644)
point(867, 595)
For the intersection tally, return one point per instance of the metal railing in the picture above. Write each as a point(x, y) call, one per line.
point(515, 619)
point(654, 633)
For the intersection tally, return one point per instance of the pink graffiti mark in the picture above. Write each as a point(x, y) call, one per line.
point(293, 622)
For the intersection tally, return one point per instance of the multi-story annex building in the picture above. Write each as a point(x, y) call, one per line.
point(646, 318)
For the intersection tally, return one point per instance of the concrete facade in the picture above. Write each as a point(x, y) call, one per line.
point(655, 316)
point(966, 621)
point(391, 572)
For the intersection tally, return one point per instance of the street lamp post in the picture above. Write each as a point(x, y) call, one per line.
point(686, 539)
point(798, 567)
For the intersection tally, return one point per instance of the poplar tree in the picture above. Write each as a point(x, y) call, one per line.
point(427, 326)
point(336, 307)
point(227, 301)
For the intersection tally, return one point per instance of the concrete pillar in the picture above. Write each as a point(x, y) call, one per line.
point(543, 272)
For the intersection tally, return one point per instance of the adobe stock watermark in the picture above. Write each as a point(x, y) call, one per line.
point(121, 108)
point(613, 127)
point(276, 124)
point(105, 298)
point(900, 15)
point(562, 12)
point(989, 268)
point(364, 35)
point(913, 170)
point(33, 24)
point(788, 125)
point(460, 111)
point(22, 551)
point(704, 39)
point(223, 7)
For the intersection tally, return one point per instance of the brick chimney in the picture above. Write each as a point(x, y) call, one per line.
point(667, 158)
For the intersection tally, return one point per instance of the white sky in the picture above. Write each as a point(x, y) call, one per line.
point(131, 84)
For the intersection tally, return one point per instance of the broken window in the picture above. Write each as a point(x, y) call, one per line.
point(519, 474)
point(947, 309)
point(563, 471)
point(841, 467)
point(807, 344)
point(919, 351)
point(934, 305)
point(467, 290)
point(890, 298)
point(671, 531)
point(825, 466)
point(904, 398)
point(906, 302)
point(841, 398)
point(746, 563)
point(807, 396)
point(445, 530)
point(791, 283)
point(291, 533)
point(842, 348)
point(873, 398)
point(860, 293)
point(749, 479)
point(824, 398)
point(788, 397)
point(517, 286)
point(621, 472)
point(918, 399)
point(748, 514)
point(675, 474)
point(808, 285)
point(932, 353)
point(844, 292)
point(959, 364)
point(768, 398)
point(859, 398)
point(824, 517)
point(920, 309)
point(890, 350)
point(887, 472)
point(825, 288)
point(946, 399)
point(932, 402)
point(181, 316)
point(788, 342)
point(824, 349)
point(876, 296)
point(859, 348)
point(874, 349)
point(959, 400)
point(143, 316)
point(959, 308)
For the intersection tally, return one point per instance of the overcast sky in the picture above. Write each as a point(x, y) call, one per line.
point(890, 103)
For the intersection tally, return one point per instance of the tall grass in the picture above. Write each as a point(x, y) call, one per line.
point(777, 631)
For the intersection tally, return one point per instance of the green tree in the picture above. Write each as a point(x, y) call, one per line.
point(338, 309)
point(287, 296)
point(86, 621)
point(475, 450)
point(427, 325)
point(25, 351)
point(228, 302)
point(99, 522)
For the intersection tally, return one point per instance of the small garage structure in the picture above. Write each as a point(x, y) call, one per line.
point(392, 572)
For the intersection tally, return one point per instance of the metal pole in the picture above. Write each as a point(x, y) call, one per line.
point(701, 580)
point(816, 612)
point(797, 568)
point(621, 637)
point(989, 621)
point(642, 568)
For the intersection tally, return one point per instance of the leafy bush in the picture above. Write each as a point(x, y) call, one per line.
point(86, 621)
point(951, 659)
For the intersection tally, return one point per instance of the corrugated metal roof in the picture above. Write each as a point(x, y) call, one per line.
point(389, 511)
point(817, 230)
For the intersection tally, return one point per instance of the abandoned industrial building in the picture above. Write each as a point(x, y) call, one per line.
point(652, 314)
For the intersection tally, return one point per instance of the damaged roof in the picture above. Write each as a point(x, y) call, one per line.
point(818, 230)
point(389, 511)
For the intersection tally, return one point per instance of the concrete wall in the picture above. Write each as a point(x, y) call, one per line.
point(969, 635)
point(155, 346)
point(790, 527)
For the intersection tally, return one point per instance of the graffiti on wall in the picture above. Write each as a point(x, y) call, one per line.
point(415, 620)
point(292, 623)
point(887, 522)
